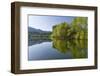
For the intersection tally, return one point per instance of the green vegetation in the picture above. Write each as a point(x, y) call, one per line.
point(76, 30)
point(66, 37)
point(78, 48)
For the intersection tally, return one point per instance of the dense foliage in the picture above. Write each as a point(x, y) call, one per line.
point(76, 30)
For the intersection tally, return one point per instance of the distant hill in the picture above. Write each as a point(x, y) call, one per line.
point(34, 30)
point(34, 34)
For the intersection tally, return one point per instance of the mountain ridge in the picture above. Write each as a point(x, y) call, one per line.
point(34, 30)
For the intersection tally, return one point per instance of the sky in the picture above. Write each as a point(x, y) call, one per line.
point(46, 23)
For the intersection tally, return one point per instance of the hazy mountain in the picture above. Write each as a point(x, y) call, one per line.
point(34, 34)
point(34, 30)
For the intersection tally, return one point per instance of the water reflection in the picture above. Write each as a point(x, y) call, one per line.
point(78, 48)
point(37, 41)
point(57, 49)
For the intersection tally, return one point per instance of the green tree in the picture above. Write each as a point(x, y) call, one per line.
point(76, 30)
point(79, 26)
point(60, 31)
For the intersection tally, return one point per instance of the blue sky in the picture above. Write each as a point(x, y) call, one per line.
point(47, 22)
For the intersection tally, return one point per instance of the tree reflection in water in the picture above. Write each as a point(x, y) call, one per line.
point(78, 48)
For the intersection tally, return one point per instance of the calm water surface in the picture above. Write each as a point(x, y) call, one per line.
point(57, 49)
